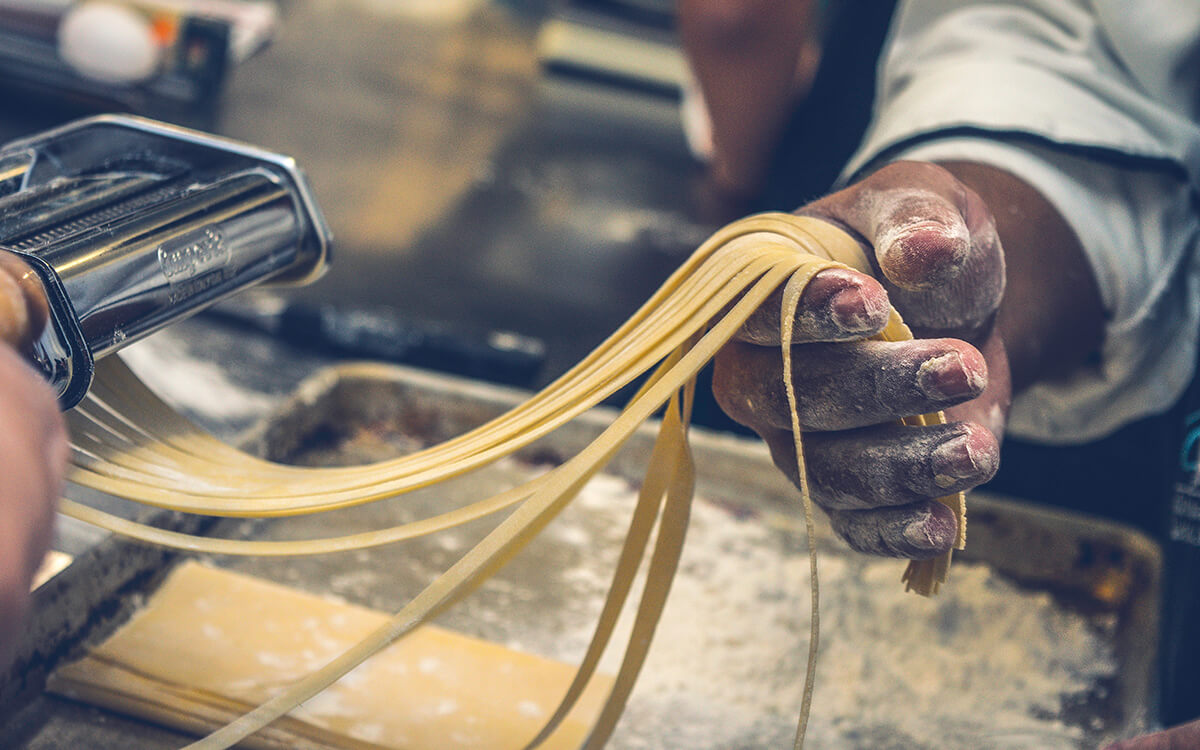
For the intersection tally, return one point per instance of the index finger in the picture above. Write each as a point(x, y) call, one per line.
point(839, 304)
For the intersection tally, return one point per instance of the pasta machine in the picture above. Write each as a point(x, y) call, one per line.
point(132, 224)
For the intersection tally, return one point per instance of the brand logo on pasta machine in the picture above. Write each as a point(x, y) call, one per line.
point(194, 261)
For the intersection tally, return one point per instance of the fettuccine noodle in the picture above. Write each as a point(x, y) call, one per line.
point(129, 443)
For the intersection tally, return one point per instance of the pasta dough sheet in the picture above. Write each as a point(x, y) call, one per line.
point(211, 644)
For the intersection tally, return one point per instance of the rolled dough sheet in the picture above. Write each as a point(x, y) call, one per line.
point(211, 644)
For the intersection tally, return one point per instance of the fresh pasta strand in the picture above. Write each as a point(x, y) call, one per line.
point(129, 443)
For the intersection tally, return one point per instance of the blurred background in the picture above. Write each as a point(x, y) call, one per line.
point(504, 176)
point(481, 169)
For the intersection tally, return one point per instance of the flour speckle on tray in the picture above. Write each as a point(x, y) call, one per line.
point(983, 664)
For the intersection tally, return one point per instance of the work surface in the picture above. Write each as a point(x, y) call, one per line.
point(1051, 653)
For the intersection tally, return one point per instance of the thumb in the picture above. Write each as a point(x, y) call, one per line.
point(935, 244)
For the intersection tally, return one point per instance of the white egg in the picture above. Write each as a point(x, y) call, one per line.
point(109, 42)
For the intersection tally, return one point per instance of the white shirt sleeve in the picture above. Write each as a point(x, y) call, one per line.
point(1068, 97)
point(1141, 236)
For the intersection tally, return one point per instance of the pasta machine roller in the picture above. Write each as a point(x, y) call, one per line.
point(132, 224)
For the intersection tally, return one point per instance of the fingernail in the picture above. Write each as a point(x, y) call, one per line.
point(923, 253)
point(954, 460)
point(853, 312)
point(930, 532)
point(945, 377)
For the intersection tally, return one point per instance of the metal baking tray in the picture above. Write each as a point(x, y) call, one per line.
point(1044, 637)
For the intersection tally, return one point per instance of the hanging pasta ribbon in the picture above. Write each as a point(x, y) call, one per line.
point(129, 443)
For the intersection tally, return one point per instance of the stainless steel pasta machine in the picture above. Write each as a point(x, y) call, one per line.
point(132, 224)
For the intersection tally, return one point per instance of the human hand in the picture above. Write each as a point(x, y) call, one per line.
point(1182, 737)
point(23, 306)
point(752, 62)
point(33, 455)
point(940, 263)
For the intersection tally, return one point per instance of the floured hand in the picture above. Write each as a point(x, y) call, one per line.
point(1182, 737)
point(939, 261)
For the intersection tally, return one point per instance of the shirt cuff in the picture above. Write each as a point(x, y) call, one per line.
point(1140, 237)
